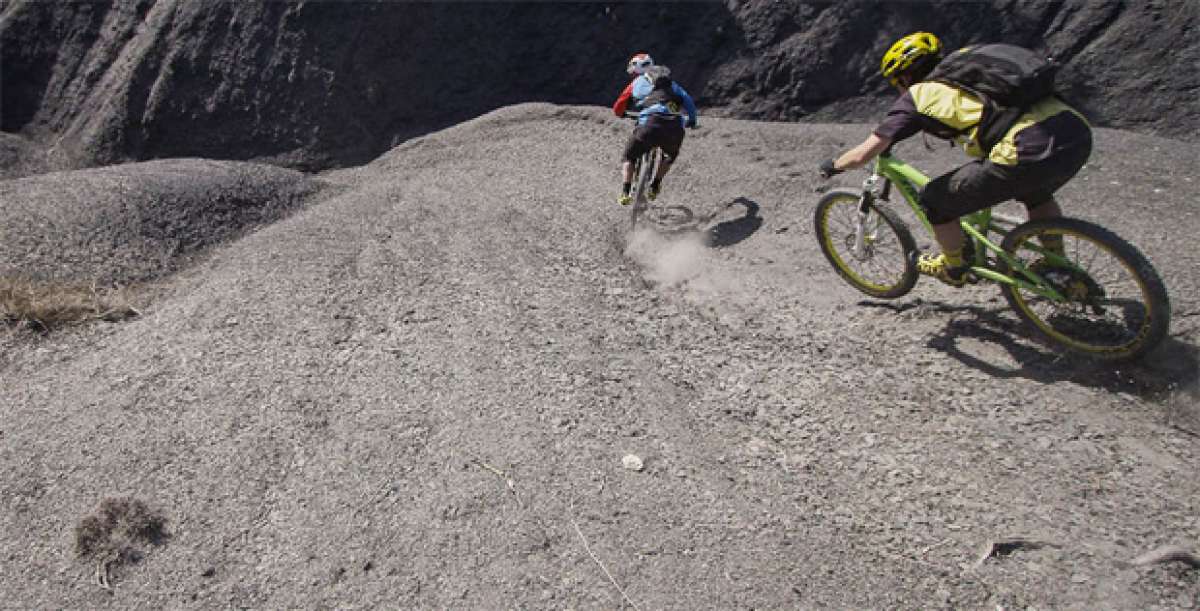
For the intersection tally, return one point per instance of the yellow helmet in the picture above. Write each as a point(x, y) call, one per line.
point(906, 51)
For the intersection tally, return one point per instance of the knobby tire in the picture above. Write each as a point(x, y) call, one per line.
point(887, 268)
point(1116, 305)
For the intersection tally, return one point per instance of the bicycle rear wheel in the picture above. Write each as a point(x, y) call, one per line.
point(1115, 306)
point(644, 171)
point(884, 266)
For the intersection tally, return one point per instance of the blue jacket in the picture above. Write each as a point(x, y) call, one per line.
point(641, 87)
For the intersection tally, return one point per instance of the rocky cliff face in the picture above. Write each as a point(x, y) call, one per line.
point(321, 84)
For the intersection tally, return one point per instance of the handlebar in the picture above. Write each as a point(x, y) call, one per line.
point(635, 116)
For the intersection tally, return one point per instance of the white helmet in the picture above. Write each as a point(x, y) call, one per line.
point(638, 63)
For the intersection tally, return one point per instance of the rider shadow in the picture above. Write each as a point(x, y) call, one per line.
point(1171, 366)
point(730, 232)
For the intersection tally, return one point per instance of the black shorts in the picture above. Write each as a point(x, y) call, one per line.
point(982, 184)
point(665, 133)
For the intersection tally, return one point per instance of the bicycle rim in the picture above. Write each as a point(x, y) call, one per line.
point(1115, 306)
point(883, 267)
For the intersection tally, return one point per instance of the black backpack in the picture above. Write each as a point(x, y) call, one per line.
point(1008, 80)
point(663, 91)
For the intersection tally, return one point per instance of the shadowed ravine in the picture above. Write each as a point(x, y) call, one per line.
point(315, 85)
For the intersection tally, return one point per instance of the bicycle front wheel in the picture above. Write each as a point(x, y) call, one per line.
point(881, 265)
point(1114, 304)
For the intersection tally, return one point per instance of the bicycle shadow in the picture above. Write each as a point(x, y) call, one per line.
point(730, 232)
point(682, 221)
point(1173, 365)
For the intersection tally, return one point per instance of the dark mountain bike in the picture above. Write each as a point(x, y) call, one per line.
point(645, 168)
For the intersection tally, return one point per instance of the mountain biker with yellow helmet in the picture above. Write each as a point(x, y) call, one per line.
point(1045, 147)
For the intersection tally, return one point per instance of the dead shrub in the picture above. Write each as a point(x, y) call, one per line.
point(46, 305)
point(115, 534)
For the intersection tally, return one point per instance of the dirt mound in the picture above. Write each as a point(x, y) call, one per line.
point(20, 156)
point(419, 390)
point(134, 222)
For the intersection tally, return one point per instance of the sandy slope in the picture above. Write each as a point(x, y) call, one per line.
point(138, 222)
point(417, 392)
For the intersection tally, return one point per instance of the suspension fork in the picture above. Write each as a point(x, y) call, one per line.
point(864, 210)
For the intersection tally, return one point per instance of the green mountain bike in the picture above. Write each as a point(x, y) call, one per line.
point(1100, 297)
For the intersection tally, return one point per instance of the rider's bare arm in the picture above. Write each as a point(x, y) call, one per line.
point(863, 153)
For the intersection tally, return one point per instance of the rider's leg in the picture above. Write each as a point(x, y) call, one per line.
point(1048, 210)
point(1047, 176)
point(950, 238)
point(966, 189)
point(949, 266)
point(670, 139)
point(663, 166)
point(634, 147)
point(626, 183)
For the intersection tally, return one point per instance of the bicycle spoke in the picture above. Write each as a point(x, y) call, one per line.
point(875, 262)
point(884, 258)
point(1106, 307)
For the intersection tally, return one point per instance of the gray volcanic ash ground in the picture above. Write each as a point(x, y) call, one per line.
point(412, 383)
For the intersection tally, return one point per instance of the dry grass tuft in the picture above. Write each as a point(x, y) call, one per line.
point(112, 536)
point(46, 305)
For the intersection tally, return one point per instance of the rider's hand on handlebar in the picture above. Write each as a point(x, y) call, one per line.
point(828, 170)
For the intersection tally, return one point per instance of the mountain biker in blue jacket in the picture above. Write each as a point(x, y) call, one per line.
point(1040, 153)
point(660, 102)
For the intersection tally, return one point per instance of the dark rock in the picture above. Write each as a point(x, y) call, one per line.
point(321, 84)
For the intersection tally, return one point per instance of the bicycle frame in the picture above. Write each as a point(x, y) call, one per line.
point(644, 170)
point(647, 161)
point(977, 225)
